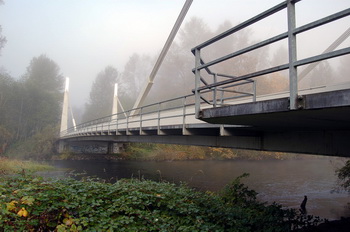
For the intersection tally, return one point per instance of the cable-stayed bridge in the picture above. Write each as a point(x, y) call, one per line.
point(225, 110)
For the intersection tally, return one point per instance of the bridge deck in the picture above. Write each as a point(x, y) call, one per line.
point(320, 127)
point(318, 111)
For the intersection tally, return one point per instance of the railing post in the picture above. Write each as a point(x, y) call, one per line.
point(254, 90)
point(197, 83)
point(222, 98)
point(215, 91)
point(141, 120)
point(158, 126)
point(116, 125)
point(127, 125)
point(184, 115)
point(292, 49)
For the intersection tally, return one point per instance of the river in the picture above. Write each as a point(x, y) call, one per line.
point(282, 181)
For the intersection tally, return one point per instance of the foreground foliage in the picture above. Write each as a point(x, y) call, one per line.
point(30, 203)
point(344, 176)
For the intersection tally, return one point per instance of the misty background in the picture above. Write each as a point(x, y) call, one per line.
point(99, 43)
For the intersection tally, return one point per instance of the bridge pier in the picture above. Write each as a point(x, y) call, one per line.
point(62, 146)
point(88, 147)
point(115, 148)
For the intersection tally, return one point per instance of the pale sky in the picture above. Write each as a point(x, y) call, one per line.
point(84, 36)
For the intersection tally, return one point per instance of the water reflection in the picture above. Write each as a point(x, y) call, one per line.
point(285, 182)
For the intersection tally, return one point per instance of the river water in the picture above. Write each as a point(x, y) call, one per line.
point(282, 181)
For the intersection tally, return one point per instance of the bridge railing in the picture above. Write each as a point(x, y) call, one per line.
point(203, 88)
point(174, 112)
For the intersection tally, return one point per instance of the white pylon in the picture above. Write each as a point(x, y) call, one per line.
point(115, 102)
point(64, 118)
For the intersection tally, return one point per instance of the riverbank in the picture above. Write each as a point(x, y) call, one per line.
point(31, 203)
point(39, 184)
point(11, 166)
point(165, 152)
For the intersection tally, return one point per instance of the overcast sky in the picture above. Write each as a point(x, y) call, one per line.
point(84, 36)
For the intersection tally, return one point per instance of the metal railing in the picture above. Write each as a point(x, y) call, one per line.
point(177, 111)
point(202, 88)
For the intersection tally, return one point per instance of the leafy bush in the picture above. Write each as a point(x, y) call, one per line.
point(30, 203)
point(344, 176)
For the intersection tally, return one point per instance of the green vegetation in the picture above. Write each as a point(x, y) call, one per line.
point(344, 176)
point(12, 166)
point(39, 146)
point(160, 152)
point(29, 203)
point(30, 110)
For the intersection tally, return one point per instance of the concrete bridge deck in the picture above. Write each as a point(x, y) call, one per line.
point(322, 126)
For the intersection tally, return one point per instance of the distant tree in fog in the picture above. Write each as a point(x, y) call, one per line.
point(2, 38)
point(133, 78)
point(175, 77)
point(32, 103)
point(44, 74)
point(243, 64)
point(40, 101)
point(344, 69)
point(7, 108)
point(101, 95)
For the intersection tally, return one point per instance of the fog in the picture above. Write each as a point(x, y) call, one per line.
point(85, 36)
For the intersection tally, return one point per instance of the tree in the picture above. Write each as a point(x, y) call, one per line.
point(2, 38)
point(7, 116)
point(133, 78)
point(101, 95)
point(175, 77)
point(40, 103)
point(344, 69)
point(30, 107)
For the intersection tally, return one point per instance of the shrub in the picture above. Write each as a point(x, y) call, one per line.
point(30, 203)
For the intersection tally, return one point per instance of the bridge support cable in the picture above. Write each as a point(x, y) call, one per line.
point(331, 48)
point(147, 87)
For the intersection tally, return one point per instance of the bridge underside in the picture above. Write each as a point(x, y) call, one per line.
point(333, 143)
point(320, 126)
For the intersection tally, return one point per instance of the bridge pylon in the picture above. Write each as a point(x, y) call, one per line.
point(64, 117)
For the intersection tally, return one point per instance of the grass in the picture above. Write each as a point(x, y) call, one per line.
point(11, 166)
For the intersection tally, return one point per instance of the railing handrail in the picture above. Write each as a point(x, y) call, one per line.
point(114, 117)
point(293, 63)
